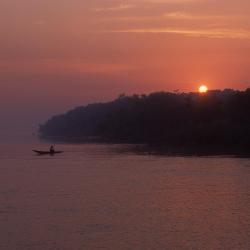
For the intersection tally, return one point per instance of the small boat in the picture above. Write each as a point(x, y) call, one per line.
point(47, 152)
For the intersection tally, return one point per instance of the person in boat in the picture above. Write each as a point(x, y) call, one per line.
point(52, 150)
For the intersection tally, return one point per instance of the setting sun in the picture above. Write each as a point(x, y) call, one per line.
point(203, 89)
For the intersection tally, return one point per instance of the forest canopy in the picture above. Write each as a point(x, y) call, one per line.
point(220, 118)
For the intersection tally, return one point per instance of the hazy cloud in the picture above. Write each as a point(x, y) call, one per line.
point(212, 33)
point(55, 66)
point(180, 15)
point(115, 8)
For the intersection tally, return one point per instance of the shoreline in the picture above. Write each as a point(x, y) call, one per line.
point(159, 148)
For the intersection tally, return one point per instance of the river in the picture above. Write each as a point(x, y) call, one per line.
point(97, 196)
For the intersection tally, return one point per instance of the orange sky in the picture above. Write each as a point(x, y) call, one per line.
point(61, 53)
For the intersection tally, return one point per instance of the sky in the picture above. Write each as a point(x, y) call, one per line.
point(58, 54)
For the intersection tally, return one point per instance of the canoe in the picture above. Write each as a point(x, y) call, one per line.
point(47, 152)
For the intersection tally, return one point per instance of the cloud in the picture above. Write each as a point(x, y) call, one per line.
point(115, 8)
point(208, 33)
point(170, 1)
point(138, 4)
point(53, 66)
point(179, 15)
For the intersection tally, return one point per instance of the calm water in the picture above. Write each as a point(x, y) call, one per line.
point(104, 197)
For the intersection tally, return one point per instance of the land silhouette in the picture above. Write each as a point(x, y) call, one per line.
point(214, 120)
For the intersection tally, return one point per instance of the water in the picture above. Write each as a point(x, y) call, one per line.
point(107, 197)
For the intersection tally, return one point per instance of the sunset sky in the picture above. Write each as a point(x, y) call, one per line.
point(57, 54)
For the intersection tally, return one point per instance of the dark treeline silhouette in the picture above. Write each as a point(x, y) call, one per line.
point(215, 119)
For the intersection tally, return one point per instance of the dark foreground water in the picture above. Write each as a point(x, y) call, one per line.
point(104, 197)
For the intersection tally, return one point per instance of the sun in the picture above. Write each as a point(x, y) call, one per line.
point(203, 89)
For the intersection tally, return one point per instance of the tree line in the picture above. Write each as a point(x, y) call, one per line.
point(216, 118)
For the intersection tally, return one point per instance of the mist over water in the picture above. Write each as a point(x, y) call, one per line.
point(107, 196)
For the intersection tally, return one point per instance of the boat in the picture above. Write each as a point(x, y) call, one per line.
point(47, 152)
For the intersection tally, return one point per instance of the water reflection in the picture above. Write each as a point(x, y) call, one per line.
point(112, 197)
point(150, 149)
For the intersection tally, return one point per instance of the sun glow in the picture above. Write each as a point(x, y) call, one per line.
point(203, 89)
